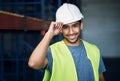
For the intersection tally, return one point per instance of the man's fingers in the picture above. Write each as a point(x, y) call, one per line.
point(59, 25)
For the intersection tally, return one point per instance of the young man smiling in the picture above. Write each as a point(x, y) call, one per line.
point(71, 33)
point(71, 59)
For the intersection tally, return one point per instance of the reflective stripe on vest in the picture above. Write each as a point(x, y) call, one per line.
point(63, 63)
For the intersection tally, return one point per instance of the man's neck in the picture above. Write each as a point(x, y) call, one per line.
point(77, 43)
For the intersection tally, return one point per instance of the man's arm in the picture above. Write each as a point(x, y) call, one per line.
point(101, 77)
point(38, 58)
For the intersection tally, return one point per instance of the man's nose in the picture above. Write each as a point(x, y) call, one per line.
point(71, 30)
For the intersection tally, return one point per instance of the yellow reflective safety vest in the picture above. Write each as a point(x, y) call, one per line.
point(63, 68)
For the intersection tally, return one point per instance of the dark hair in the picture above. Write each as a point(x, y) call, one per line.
point(79, 21)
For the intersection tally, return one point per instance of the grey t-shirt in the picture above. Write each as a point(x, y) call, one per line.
point(82, 63)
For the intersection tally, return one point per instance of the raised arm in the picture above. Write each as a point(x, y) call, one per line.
point(38, 58)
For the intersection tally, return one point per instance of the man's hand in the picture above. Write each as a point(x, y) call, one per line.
point(55, 28)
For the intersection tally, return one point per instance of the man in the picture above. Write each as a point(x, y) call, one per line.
point(71, 59)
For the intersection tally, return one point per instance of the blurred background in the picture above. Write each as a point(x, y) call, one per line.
point(101, 26)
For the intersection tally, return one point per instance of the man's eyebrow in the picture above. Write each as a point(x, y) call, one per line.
point(72, 24)
point(75, 23)
point(64, 24)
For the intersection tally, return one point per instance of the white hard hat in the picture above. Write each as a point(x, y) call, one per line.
point(68, 13)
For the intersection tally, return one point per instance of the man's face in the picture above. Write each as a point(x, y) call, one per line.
point(71, 32)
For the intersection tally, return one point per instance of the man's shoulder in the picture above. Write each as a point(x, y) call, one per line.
point(89, 44)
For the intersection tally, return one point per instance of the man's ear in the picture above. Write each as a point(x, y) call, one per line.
point(81, 26)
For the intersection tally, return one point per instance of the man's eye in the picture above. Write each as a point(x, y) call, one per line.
point(76, 25)
point(65, 27)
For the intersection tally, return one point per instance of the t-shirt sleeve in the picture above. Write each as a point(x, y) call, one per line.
point(101, 66)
